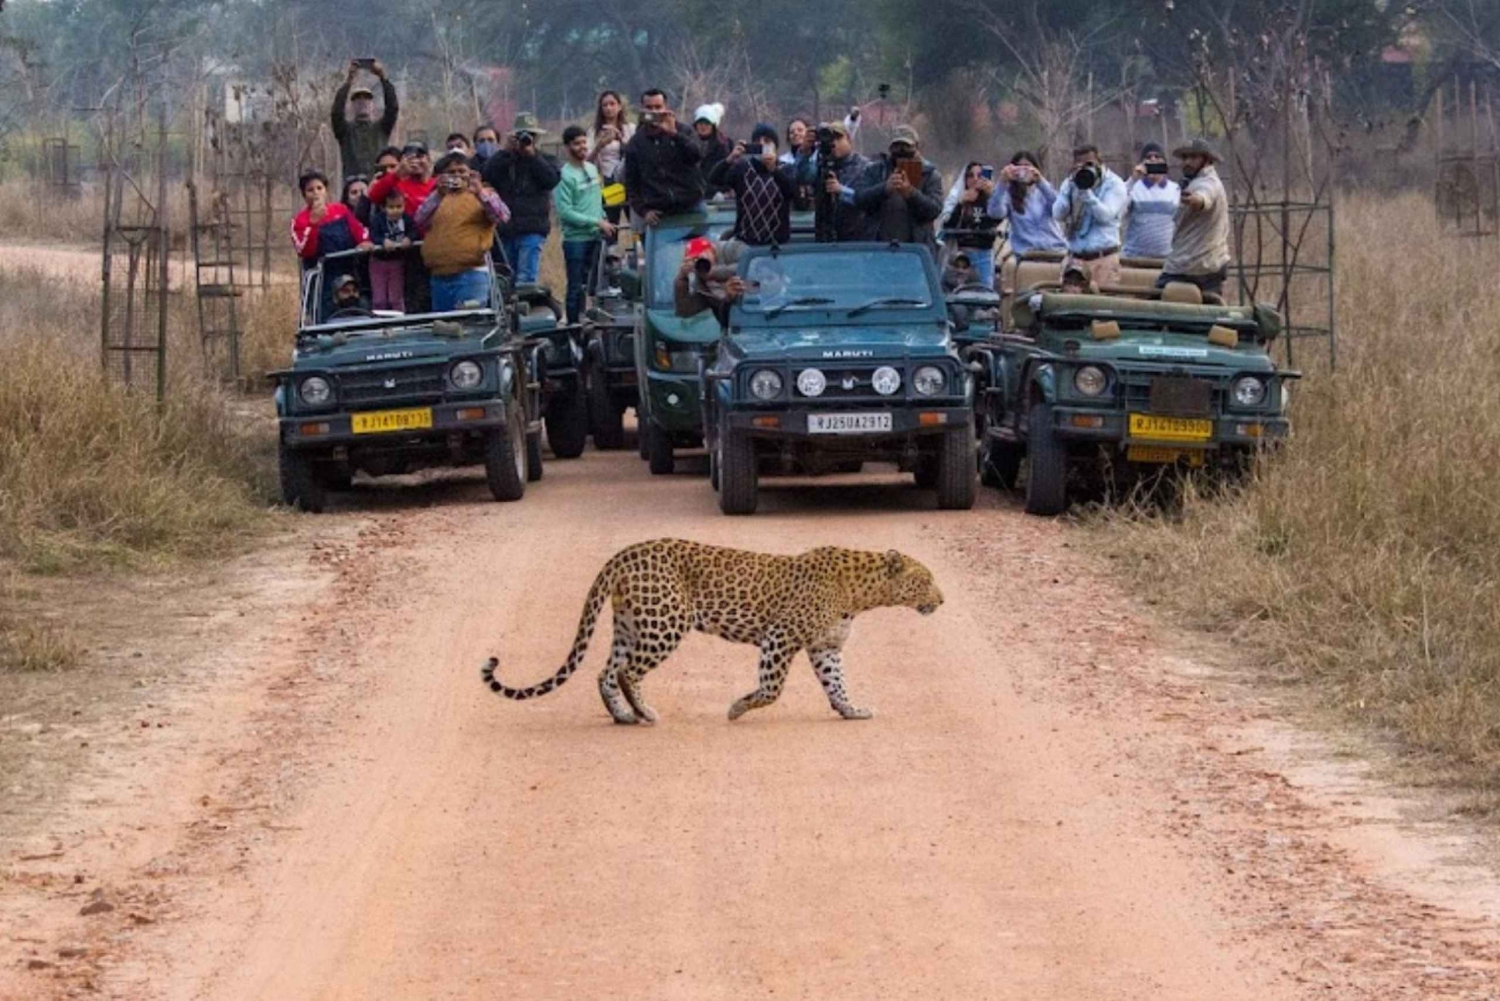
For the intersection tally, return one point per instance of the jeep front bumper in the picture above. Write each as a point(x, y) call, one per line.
point(321, 430)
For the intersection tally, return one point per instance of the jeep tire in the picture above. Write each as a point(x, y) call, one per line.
point(567, 423)
point(300, 487)
point(739, 477)
point(658, 449)
point(606, 418)
point(534, 466)
point(955, 470)
point(1047, 472)
point(999, 464)
point(505, 457)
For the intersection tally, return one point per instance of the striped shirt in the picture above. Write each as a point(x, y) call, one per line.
point(1148, 224)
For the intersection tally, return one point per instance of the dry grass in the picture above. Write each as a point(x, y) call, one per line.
point(91, 474)
point(1366, 558)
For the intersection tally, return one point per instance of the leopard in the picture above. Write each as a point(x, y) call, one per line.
point(662, 589)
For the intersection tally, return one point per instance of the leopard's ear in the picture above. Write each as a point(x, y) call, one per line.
point(894, 563)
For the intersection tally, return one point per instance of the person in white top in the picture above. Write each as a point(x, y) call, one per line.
point(1153, 203)
point(611, 130)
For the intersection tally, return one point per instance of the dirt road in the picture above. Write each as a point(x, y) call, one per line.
point(1052, 802)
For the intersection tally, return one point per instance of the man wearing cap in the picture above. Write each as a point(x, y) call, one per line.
point(1154, 198)
point(1089, 207)
point(524, 177)
point(849, 169)
point(361, 138)
point(346, 295)
point(661, 163)
point(702, 284)
point(1200, 245)
point(763, 190)
point(896, 209)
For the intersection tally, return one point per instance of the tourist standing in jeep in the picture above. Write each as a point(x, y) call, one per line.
point(1200, 245)
point(662, 176)
point(1089, 207)
point(524, 177)
point(902, 193)
point(361, 138)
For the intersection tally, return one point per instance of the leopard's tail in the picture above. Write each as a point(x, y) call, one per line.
point(598, 595)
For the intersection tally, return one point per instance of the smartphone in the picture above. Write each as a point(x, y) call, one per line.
point(1157, 168)
point(365, 62)
point(755, 149)
point(649, 118)
point(987, 172)
point(912, 169)
point(454, 182)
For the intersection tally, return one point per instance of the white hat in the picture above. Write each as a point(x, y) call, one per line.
point(711, 113)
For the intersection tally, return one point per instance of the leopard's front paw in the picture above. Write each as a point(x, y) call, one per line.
point(853, 712)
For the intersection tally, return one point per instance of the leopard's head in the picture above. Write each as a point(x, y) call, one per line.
point(910, 583)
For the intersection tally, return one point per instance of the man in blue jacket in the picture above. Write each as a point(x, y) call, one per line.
point(1090, 206)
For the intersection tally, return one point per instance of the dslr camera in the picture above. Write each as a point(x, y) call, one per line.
point(1085, 177)
point(524, 138)
point(825, 141)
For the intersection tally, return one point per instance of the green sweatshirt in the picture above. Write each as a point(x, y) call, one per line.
point(580, 202)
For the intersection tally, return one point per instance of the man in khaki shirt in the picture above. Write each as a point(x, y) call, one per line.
point(1200, 244)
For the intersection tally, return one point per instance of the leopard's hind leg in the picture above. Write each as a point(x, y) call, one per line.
point(655, 642)
point(611, 679)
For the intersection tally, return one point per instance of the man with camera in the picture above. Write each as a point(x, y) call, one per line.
point(457, 222)
point(1200, 244)
point(841, 178)
point(703, 284)
point(901, 194)
point(1153, 202)
point(524, 177)
point(662, 175)
point(361, 139)
point(1089, 207)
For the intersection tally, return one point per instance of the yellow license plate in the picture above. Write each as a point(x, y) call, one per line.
point(378, 421)
point(1170, 428)
point(1163, 456)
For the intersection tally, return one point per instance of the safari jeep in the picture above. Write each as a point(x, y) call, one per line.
point(559, 352)
point(609, 342)
point(668, 347)
point(838, 354)
point(1129, 383)
point(394, 393)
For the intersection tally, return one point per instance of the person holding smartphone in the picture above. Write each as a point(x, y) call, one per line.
point(967, 223)
point(764, 190)
point(1025, 199)
point(1154, 198)
point(901, 194)
point(458, 222)
point(361, 136)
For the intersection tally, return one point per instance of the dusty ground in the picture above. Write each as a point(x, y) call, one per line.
point(311, 795)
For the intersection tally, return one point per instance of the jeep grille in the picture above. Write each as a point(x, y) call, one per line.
point(414, 382)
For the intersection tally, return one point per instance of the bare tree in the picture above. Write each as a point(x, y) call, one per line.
point(700, 77)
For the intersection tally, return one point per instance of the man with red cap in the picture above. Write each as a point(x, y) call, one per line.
point(702, 284)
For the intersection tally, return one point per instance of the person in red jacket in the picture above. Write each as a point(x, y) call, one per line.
point(412, 177)
point(324, 227)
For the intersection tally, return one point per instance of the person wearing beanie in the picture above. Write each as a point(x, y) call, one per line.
point(716, 145)
point(1154, 198)
point(764, 189)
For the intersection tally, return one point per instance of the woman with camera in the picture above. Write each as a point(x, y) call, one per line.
point(1025, 199)
point(611, 130)
point(1153, 202)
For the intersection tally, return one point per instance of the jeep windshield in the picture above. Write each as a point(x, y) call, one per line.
point(848, 281)
point(666, 258)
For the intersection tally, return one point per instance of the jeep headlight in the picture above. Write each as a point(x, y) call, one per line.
point(466, 375)
point(315, 391)
point(1249, 391)
point(886, 380)
point(929, 380)
point(765, 385)
point(811, 382)
point(1090, 380)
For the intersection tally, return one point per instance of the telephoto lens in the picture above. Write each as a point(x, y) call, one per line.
point(703, 266)
point(1085, 177)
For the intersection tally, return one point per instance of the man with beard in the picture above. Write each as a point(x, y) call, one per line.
point(848, 168)
point(1200, 244)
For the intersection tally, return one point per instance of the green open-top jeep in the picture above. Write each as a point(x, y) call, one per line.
point(1126, 383)
point(393, 393)
point(838, 354)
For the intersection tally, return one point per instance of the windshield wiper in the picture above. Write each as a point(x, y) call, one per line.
point(886, 301)
point(806, 300)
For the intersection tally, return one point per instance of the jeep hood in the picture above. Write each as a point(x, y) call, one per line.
point(845, 343)
point(1156, 347)
point(700, 329)
point(402, 345)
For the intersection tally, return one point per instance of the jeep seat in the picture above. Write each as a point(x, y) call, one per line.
point(1139, 273)
point(1185, 292)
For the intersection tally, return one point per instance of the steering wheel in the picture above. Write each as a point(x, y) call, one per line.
point(349, 313)
point(974, 287)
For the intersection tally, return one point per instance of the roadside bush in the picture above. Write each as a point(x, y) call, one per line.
point(1366, 557)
